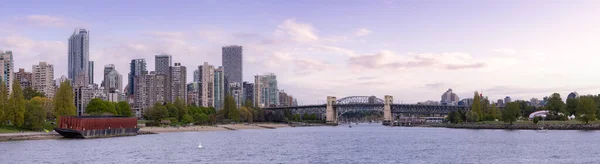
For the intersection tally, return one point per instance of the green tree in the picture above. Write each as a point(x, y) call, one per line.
point(555, 104)
point(16, 105)
point(63, 100)
point(246, 115)
point(201, 118)
point(476, 107)
point(586, 110)
point(182, 109)
point(3, 103)
point(29, 93)
point(230, 108)
point(536, 120)
point(35, 115)
point(187, 119)
point(98, 106)
point(124, 108)
point(173, 111)
point(572, 105)
point(472, 116)
point(511, 112)
point(158, 112)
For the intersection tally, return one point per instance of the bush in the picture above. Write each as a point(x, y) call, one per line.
point(536, 120)
point(557, 117)
point(152, 123)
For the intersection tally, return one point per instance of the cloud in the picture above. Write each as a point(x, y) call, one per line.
point(335, 49)
point(362, 32)
point(435, 85)
point(300, 32)
point(43, 20)
point(27, 52)
point(166, 34)
point(388, 60)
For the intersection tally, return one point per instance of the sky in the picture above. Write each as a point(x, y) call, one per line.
point(412, 50)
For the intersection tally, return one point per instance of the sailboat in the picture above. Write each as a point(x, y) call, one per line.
point(200, 145)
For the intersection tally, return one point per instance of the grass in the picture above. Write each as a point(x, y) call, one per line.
point(142, 121)
point(10, 129)
point(541, 122)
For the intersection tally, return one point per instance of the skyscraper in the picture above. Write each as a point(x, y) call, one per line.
point(196, 76)
point(137, 67)
point(232, 62)
point(162, 63)
point(113, 81)
point(107, 69)
point(79, 57)
point(178, 86)
point(219, 94)
point(91, 72)
point(6, 64)
point(449, 98)
point(25, 78)
point(266, 93)
point(248, 92)
point(207, 80)
point(43, 78)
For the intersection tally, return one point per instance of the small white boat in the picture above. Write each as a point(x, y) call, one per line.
point(200, 145)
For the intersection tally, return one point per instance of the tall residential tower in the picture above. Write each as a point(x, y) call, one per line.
point(78, 65)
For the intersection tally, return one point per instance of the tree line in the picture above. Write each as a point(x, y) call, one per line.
point(179, 113)
point(30, 109)
point(584, 108)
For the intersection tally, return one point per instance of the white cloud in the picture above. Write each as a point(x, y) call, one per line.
point(300, 32)
point(43, 20)
point(388, 60)
point(362, 32)
point(27, 52)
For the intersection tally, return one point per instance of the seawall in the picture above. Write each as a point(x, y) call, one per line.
point(521, 126)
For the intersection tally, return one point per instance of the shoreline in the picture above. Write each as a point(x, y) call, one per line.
point(519, 126)
point(6, 137)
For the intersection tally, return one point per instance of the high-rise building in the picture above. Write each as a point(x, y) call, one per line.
point(157, 85)
point(507, 100)
point(83, 95)
point(219, 88)
point(79, 57)
point(91, 71)
point(162, 63)
point(57, 81)
point(136, 68)
point(107, 69)
point(449, 98)
point(266, 91)
point(6, 64)
point(283, 99)
point(232, 62)
point(177, 79)
point(196, 76)
point(572, 95)
point(207, 80)
point(248, 92)
point(192, 93)
point(113, 81)
point(500, 103)
point(237, 93)
point(43, 78)
point(25, 78)
point(140, 93)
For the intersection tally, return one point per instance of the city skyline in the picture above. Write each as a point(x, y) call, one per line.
point(414, 52)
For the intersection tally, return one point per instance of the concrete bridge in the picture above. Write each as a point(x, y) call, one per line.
point(334, 108)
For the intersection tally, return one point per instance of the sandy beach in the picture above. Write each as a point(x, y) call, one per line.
point(213, 128)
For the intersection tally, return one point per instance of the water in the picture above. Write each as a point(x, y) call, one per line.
point(365, 143)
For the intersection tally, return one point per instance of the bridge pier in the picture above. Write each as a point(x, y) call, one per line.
point(331, 112)
point(387, 110)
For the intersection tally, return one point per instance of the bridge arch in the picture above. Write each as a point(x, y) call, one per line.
point(360, 100)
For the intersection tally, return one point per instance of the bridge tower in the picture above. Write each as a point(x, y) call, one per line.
point(331, 112)
point(387, 110)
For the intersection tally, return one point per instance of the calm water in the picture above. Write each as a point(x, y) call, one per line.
point(360, 144)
